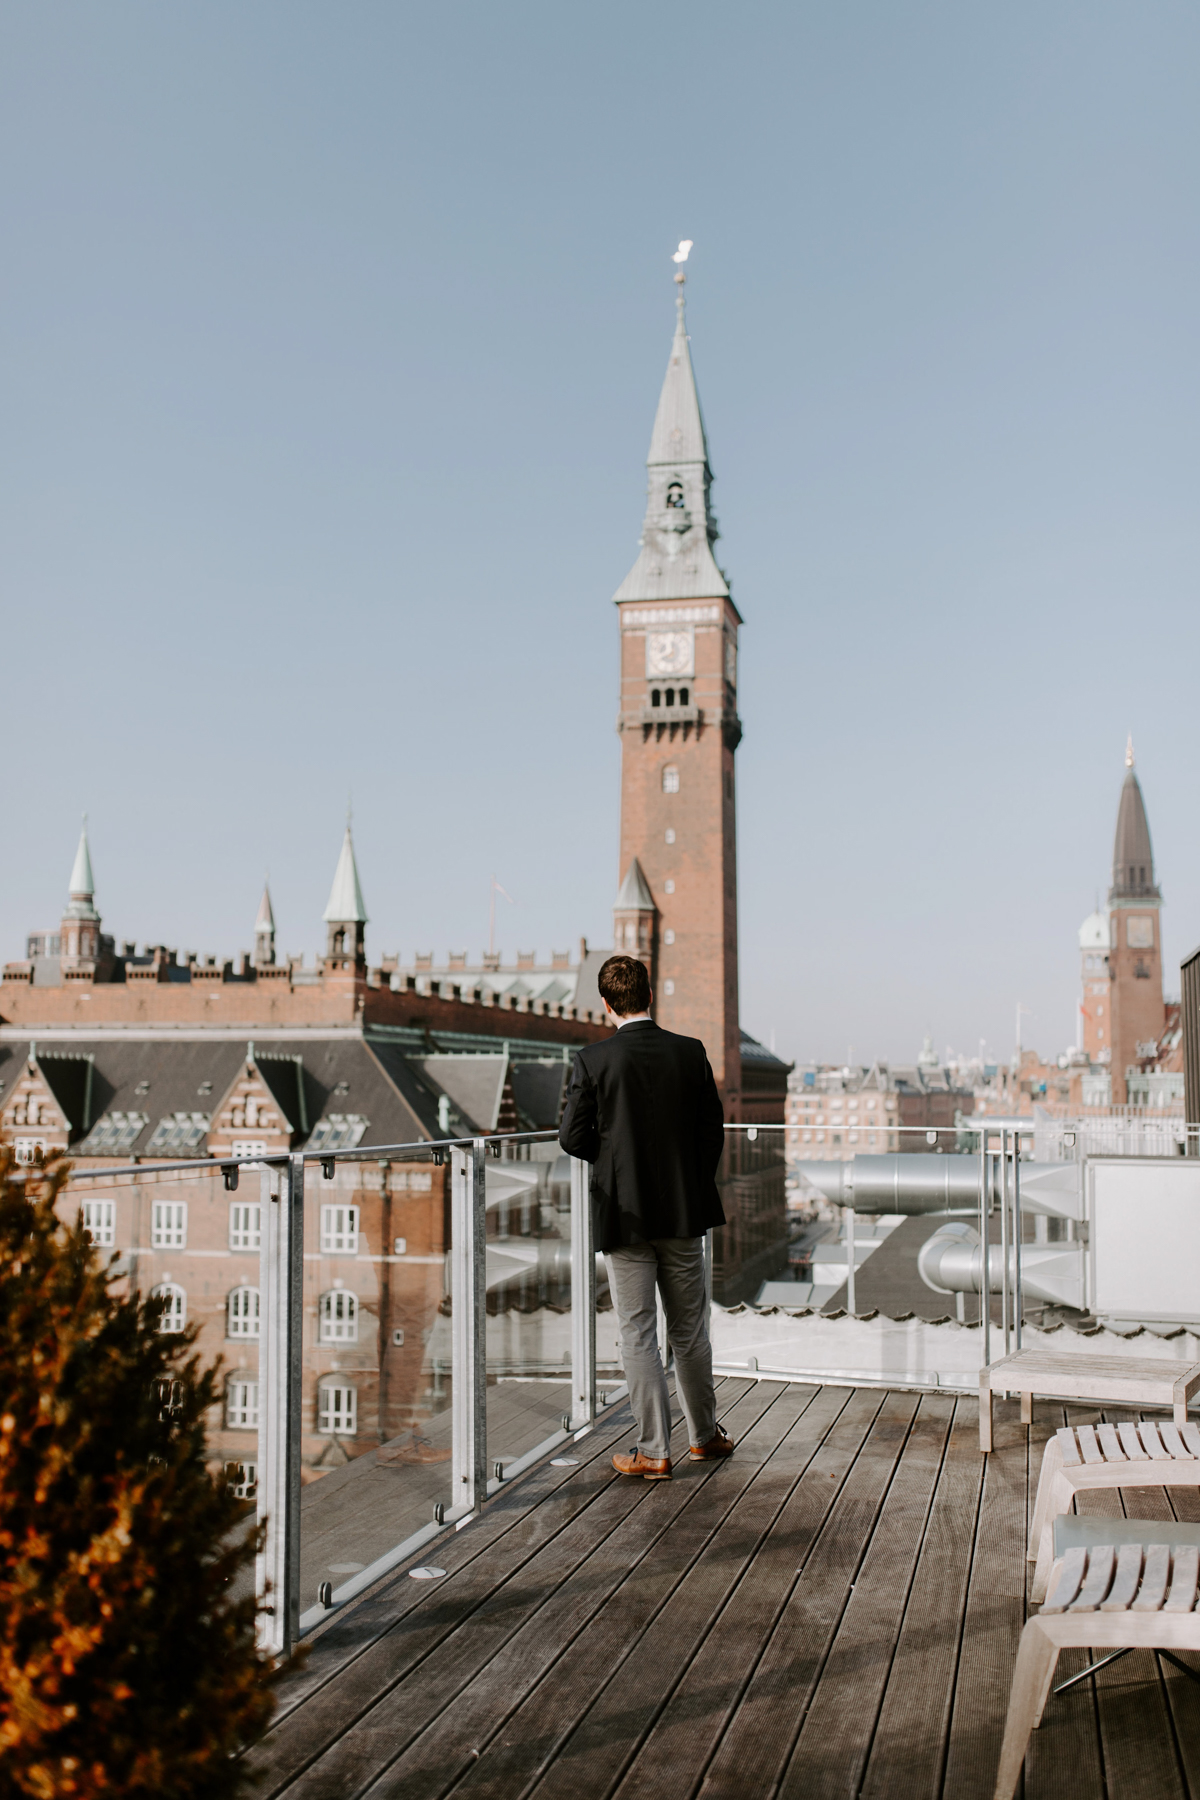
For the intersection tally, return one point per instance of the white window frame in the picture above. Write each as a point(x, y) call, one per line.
point(30, 1149)
point(338, 1317)
point(168, 1230)
point(175, 1317)
point(337, 1409)
point(242, 1310)
point(244, 1483)
point(670, 779)
point(339, 1230)
point(249, 1147)
point(100, 1222)
point(241, 1403)
point(245, 1225)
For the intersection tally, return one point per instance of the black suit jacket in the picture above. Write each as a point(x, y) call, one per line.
point(643, 1108)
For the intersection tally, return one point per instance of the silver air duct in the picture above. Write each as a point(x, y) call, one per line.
point(951, 1262)
point(931, 1184)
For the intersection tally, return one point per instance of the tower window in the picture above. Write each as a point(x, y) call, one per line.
point(675, 495)
point(656, 696)
point(670, 696)
point(670, 779)
point(683, 696)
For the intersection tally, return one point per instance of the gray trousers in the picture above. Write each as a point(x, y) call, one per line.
point(676, 1267)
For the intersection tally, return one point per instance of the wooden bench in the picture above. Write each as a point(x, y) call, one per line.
point(1151, 1453)
point(1128, 1380)
point(1127, 1596)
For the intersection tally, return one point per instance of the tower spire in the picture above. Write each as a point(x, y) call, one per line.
point(1129, 751)
point(264, 930)
point(680, 528)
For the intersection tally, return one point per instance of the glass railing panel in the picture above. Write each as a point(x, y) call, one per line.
point(529, 1298)
point(376, 1420)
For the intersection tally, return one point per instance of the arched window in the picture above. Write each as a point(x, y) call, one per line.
point(670, 696)
point(656, 696)
point(670, 779)
point(339, 1317)
point(174, 1316)
point(241, 1403)
point(242, 1318)
point(675, 495)
point(683, 696)
point(337, 1409)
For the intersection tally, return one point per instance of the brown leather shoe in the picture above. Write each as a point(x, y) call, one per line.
point(634, 1463)
point(716, 1447)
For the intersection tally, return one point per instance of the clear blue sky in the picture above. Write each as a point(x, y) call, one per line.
point(330, 338)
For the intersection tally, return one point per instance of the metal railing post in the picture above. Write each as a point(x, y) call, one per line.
point(851, 1304)
point(468, 1319)
point(1017, 1297)
point(280, 1364)
point(583, 1298)
point(1004, 1282)
point(985, 1249)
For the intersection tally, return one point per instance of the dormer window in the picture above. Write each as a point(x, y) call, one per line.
point(675, 496)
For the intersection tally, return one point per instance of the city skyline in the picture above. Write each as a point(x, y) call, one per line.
point(321, 464)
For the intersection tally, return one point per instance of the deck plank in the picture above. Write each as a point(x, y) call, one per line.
point(830, 1755)
point(995, 1614)
point(534, 1734)
point(400, 1708)
point(846, 1485)
point(914, 1721)
point(604, 1612)
point(676, 1749)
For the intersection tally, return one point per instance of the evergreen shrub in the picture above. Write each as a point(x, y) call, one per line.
point(127, 1665)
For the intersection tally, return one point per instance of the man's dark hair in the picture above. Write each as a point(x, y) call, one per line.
point(624, 983)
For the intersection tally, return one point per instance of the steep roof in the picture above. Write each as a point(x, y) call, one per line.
point(82, 886)
point(266, 916)
point(1133, 857)
point(634, 894)
point(346, 904)
point(676, 560)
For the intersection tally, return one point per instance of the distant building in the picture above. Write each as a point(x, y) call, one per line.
point(834, 1113)
point(1121, 1004)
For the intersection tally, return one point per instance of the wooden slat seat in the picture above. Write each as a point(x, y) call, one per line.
point(1133, 1453)
point(1101, 1597)
point(1126, 1380)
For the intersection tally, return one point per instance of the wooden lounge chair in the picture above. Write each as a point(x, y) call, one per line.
point(1137, 1591)
point(1128, 1380)
point(1151, 1453)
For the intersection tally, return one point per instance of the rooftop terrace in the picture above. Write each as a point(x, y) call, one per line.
point(835, 1612)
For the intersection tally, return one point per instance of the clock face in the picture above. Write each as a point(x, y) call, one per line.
point(670, 652)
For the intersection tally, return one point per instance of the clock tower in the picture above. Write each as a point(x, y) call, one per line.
point(677, 904)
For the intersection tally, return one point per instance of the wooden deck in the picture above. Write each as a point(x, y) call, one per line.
point(833, 1612)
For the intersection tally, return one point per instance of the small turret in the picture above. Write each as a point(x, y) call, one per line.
point(634, 916)
point(81, 921)
point(346, 916)
point(264, 932)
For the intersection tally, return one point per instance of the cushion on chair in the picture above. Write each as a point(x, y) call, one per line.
point(1070, 1531)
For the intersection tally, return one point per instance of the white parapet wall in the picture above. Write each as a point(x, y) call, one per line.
point(902, 1352)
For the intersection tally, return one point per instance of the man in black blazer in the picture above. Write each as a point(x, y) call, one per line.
point(643, 1109)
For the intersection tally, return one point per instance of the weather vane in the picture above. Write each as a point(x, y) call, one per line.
point(681, 256)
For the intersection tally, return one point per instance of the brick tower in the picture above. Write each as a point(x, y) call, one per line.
point(1135, 953)
point(677, 904)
